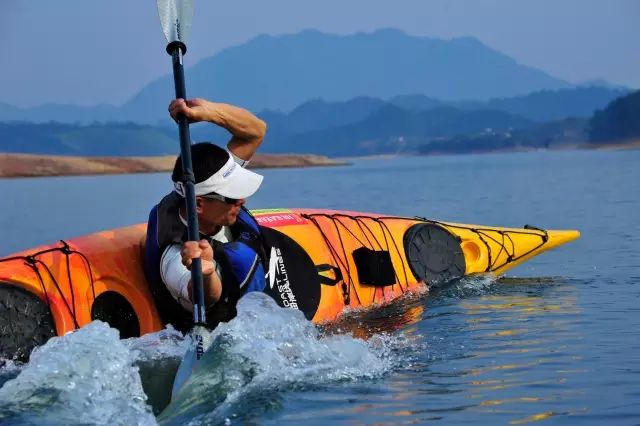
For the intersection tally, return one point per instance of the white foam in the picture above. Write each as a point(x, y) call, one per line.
point(167, 343)
point(9, 369)
point(90, 376)
point(268, 348)
point(468, 286)
point(83, 377)
point(477, 282)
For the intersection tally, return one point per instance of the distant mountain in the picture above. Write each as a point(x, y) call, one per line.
point(363, 126)
point(282, 72)
point(549, 105)
point(601, 82)
point(567, 133)
point(111, 139)
point(319, 115)
point(544, 105)
point(372, 127)
point(313, 115)
point(417, 102)
point(392, 129)
point(60, 113)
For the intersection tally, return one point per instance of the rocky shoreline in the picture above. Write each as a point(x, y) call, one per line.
point(29, 165)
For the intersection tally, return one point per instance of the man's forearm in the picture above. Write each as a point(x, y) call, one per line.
point(212, 289)
point(238, 121)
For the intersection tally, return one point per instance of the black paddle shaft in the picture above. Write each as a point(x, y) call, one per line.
point(176, 49)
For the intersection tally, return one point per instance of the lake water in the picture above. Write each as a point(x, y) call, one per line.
point(557, 339)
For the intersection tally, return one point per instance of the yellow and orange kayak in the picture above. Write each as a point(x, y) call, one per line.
point(320, 261)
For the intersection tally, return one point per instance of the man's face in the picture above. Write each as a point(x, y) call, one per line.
point(213, 213)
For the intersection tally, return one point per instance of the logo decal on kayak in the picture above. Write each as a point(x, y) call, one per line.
point(277, 277)
point(279, 218)
point(291, 276)
point(271, 273)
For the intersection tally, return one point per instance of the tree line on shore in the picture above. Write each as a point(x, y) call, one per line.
point(617, 123)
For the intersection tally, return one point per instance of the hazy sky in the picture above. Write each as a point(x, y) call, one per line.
point(104, 51)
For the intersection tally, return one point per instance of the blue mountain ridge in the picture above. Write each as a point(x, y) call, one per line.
point(360, 126)
point(282, 72)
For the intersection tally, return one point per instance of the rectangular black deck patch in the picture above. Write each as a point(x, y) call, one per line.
point(374, 267)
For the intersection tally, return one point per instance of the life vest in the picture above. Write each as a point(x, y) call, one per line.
point(242, 262)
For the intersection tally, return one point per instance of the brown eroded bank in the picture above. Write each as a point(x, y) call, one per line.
point(29, 165)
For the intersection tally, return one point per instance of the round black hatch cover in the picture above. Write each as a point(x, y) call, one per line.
point(115, 310)
point(434, 254)
point(25, 322)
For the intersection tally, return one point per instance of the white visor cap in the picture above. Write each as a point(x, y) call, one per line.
point(232, 181)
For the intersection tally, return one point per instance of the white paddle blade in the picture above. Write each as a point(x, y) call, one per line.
point(175, 18)
point(200, 342)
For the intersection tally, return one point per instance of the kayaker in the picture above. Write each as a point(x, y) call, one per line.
point(231, 248)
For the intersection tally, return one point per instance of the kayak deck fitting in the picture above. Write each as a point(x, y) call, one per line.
point(320, 261)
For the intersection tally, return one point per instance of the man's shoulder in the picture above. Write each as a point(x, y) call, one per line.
point(171, 199)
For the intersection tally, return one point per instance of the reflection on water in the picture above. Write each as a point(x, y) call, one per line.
point(398, 315)
point(515, 344)
point(479, 346)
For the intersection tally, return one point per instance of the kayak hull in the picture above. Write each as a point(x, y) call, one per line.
point(321, 261)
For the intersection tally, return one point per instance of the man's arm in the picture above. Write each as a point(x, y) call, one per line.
point(177, 277)
point(211, 281)
point(247, 130)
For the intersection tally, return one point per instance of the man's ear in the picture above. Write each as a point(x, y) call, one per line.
point(199, 204)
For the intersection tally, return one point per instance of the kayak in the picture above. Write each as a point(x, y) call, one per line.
point(320, 262)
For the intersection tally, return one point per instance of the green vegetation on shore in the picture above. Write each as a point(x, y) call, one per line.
point(619, 121)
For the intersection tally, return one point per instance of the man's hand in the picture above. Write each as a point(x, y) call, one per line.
point(200, 249)
point(195, 110)
point(212, 285)
point(247, 130)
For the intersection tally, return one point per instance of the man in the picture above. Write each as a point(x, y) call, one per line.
point(230, 247)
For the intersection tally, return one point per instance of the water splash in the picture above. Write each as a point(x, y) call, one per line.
point(470, 286)
point(167, 343)
point(157, 357)
point(84, 377)
point(266, 350)
point(91, 376)
point(9, 369)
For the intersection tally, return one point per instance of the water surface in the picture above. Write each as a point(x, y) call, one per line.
point(557, 339)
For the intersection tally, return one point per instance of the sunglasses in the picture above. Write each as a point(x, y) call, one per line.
point(214, 196)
